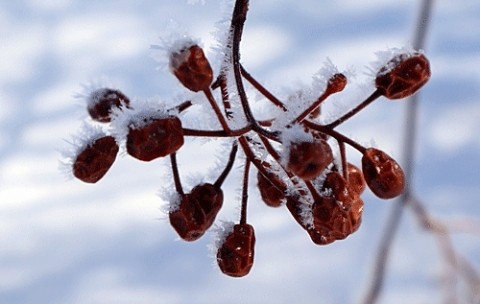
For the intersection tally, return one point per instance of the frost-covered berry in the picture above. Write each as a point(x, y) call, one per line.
point(156, 138)
point(235, 255)
point(102, 101)
point(308, 159)
point(93, 162)
point(197, 211)
point(337, 213)
point(192, 68)
point(383, 174)
point(336, 83)
point(271, 194)
point(403, 75)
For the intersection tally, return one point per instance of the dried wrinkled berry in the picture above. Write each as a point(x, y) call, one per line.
point(157, 138)
point(337, 213)
point(355, 178)
point(192, 68)
point(383, 174)
point(102, 101)
point(235, 255)
point(308, 160)
point(95, 159)
point(271, 194)
point(403, 75)
point(197, 211)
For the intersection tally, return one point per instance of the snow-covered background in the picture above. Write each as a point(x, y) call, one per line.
point(63, 241)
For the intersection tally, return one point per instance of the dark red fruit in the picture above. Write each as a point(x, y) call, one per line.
point(102, 101)
point(337, 213)
point(308, 160)
point(270, 193)
point(383, 174)
point(403, 75)
point(192, 68)
point(158, 138)
point(197, 211)
point(95, 159)
point(355, 178)
point(336, 83)
point(235, 255)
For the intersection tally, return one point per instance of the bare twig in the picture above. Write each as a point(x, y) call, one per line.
point(394, 218)
point(456, 265)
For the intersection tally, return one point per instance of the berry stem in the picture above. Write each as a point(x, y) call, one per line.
point(182, 107)
point(343, 158)
point(215, 133)
point(231, 159)
point(225, 97)
point(313, 191)
point(377, 93)
point(338, 136)
point(256, 162)
point(243, 216)
point(335, 84)
point(216, 109)
point(262, 89)
point(176, 175)
point(238, 21)
point(270, 149)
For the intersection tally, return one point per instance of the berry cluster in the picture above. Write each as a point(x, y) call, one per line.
point(294, 157)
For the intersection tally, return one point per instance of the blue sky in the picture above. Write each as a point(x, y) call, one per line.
point(62, 241)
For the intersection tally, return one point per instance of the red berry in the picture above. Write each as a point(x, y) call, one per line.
point(102, 101)
point(157, 138)
point(355, 178)
point(192, 68)
point(210, 199)
point(95, 159)
point(337, 213)
point(403, 75)
point(197, 211)
point(235, 255)
point(383, 174)
point(308, 160)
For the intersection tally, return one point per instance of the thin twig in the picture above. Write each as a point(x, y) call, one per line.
point(231, 159)
point(176, 174)
point(394, 219)
point(243, 217)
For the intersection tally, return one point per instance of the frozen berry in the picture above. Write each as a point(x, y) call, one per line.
point(383, 174)
point(308, 160)
point(337, 213)
point(336, 83)
point(157, 138)
point(102, 101)
point(235, 255)
point(210, 199)
point(403, 75)
point(95, 160)
point(192, 68)
point(197, 211)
